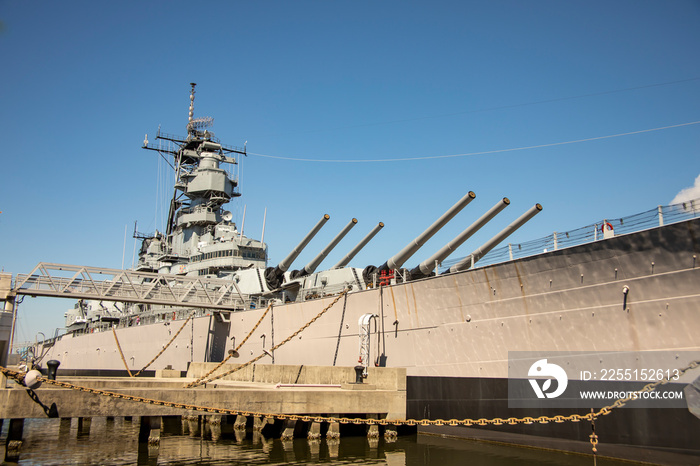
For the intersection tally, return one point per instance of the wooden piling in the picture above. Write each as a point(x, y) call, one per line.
point(13, 443)
point(149, 429)
point(288, 430)
point(194, 423)
point(333, 430)
point(314, 431)
point(84, 425)
point(259, 423)
point(214, 423)
point(240, 423)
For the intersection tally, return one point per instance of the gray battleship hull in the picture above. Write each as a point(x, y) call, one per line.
point(453, 333)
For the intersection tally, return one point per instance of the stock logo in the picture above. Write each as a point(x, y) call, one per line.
point(541, 369)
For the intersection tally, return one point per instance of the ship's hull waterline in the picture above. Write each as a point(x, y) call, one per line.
point(631, 293)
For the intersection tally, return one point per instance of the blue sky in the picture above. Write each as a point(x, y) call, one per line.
point(359, 81)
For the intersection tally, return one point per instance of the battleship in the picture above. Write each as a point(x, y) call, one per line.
point(619, 286)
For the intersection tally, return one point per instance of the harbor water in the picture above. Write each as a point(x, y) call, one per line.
point(115, 441)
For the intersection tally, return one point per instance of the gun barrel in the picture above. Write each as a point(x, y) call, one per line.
point(402, 256)
point(348, 257)
point(427, 266)
point(311, 266)
point(274, 276)
point(287, 261)
point(470, 260)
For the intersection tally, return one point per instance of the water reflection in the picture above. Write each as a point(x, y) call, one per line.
point(115, 441)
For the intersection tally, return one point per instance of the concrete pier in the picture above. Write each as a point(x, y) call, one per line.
point(248, 401)
point(273, 390)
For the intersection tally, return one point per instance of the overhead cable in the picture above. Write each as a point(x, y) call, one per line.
point(489, 152)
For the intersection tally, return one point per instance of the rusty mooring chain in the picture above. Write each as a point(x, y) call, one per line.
point(157, 355)
point(257, 358)
point(119, 347)
point(19, 377)
point(230, 355)
point(168, 344)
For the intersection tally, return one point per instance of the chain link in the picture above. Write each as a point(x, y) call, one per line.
point(119, 347)
point(203, 380)
point(230, 355)
point(168, 344)
point(593, 438)
point(592, 416)
point(157, 355)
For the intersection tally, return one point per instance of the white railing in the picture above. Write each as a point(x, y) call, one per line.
point(662, 215)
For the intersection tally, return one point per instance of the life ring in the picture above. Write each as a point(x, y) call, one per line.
point(173, 315)
point(602, 227)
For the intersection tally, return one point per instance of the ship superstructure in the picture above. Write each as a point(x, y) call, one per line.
point(200, 239)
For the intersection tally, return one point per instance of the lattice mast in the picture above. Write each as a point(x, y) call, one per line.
point(199, 153)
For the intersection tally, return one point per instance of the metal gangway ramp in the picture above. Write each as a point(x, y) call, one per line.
point(82, 282)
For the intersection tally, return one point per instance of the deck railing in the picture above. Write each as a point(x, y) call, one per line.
point(662, 215)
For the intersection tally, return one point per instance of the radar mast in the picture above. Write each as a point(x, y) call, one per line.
point(193, 155)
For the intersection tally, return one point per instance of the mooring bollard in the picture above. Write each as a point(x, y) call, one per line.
point(53, 368)
point(358, 373)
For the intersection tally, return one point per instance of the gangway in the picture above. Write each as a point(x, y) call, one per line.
point(104, 284)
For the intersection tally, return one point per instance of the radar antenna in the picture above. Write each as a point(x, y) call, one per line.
point(191, 102)
point(196, 126)
point(200, 123)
